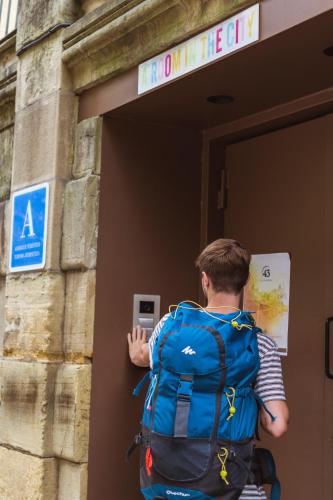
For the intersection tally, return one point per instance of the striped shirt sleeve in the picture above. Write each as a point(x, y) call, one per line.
point(269, 384)
point(253, 492)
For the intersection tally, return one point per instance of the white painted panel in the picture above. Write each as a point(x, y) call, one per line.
point(8, 15)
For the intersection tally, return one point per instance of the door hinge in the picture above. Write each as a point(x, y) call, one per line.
point(222, 195)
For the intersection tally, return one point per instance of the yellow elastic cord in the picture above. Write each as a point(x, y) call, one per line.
point(239, 326)
point(231, 402)
point(199, 307)
point(223, 458)
point(233, 322)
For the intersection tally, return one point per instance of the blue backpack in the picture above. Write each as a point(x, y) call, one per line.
point(200, 411)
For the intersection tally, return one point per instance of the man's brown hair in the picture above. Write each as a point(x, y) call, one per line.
point(226, 262)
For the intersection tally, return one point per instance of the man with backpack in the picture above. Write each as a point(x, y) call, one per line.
point(212, 370)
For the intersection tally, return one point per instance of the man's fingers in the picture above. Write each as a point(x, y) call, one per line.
point(138, 335)
point(129, 339)
point(141, 333)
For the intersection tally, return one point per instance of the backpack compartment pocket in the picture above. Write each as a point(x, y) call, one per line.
point(240, 425)
point(180, 459)
point(236, 460)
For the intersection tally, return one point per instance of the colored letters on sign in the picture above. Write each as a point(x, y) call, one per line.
point(29, 228)
point(215, 43)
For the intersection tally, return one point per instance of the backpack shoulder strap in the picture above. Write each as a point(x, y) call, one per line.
point(145, 379)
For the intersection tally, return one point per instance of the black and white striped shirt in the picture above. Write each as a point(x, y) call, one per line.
point(269, 386)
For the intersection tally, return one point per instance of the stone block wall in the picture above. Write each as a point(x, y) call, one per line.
point(6, 154)
point(47, 316)
point(7, 118)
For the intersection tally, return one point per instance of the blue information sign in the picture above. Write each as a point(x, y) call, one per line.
point(29, 228)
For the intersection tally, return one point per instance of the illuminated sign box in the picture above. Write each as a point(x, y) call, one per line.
point(213, 44)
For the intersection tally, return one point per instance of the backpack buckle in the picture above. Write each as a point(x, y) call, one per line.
point(185, 388)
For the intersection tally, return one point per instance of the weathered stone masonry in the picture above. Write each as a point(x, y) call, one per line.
point(47, 317)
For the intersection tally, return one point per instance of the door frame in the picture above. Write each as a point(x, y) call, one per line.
point(285, 115)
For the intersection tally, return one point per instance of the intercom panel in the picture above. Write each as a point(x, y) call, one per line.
point(146, 311)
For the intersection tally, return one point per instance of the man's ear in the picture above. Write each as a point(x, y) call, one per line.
point(204, 280)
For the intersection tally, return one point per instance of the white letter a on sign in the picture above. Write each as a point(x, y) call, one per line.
point(28, 222)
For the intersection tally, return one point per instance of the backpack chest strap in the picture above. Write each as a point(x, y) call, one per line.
point(183, 406)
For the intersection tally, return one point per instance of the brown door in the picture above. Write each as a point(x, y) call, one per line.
point(280, 199)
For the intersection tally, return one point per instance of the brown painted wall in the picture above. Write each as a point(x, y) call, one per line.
point(149, 237)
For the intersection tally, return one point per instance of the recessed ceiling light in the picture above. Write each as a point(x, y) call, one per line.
point(220, 99)
point(329, 51)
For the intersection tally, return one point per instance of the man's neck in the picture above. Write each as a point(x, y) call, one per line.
point(222, 302)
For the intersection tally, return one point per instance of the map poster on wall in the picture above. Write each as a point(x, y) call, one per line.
point(267, 295)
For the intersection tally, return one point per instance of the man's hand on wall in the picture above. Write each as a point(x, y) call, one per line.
point(138, 347)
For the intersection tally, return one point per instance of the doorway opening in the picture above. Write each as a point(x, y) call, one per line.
point(178, 173)
point(157, 202)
